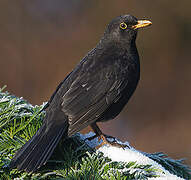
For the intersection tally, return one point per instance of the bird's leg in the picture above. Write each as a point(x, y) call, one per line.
point(96, 130)
point(103, 137)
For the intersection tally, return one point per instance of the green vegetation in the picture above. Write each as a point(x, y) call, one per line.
point(73, 159)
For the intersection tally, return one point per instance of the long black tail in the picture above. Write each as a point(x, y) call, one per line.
point(39, 148)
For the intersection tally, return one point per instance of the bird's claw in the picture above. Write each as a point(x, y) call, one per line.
point(104, 138)
point(114, 143)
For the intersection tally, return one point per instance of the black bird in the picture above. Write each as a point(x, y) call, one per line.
point(96, 90)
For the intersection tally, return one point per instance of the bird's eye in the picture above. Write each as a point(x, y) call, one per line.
point(123, 25)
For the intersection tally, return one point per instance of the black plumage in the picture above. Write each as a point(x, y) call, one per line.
point(96, 90)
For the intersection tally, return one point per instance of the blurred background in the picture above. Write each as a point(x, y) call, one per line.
point(41, 41)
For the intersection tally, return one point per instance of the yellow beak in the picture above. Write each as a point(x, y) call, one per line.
point(141, 24)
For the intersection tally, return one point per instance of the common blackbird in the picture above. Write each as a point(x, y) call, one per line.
point(96, 90)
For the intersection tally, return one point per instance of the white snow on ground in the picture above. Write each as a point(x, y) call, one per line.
point(129, 154)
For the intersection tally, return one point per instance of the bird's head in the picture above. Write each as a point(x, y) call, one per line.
point(123, 29)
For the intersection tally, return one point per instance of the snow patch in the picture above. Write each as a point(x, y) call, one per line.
point(128, 155)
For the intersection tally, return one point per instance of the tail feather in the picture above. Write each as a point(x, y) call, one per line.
point(41, 156)
point(46, 155)
point(25, 150)
point(38, 149)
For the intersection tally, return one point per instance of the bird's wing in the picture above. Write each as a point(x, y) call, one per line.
point(89, 96)
point(54, 94)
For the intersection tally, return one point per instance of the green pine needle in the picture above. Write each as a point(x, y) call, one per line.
point(73, 159)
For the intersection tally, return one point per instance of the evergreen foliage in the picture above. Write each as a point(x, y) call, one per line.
point(74, 160)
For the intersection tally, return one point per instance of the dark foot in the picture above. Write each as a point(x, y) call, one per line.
point(110, 143)
point(97, 135)
point(104, 137)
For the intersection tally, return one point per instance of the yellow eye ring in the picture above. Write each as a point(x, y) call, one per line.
point(123, 25)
